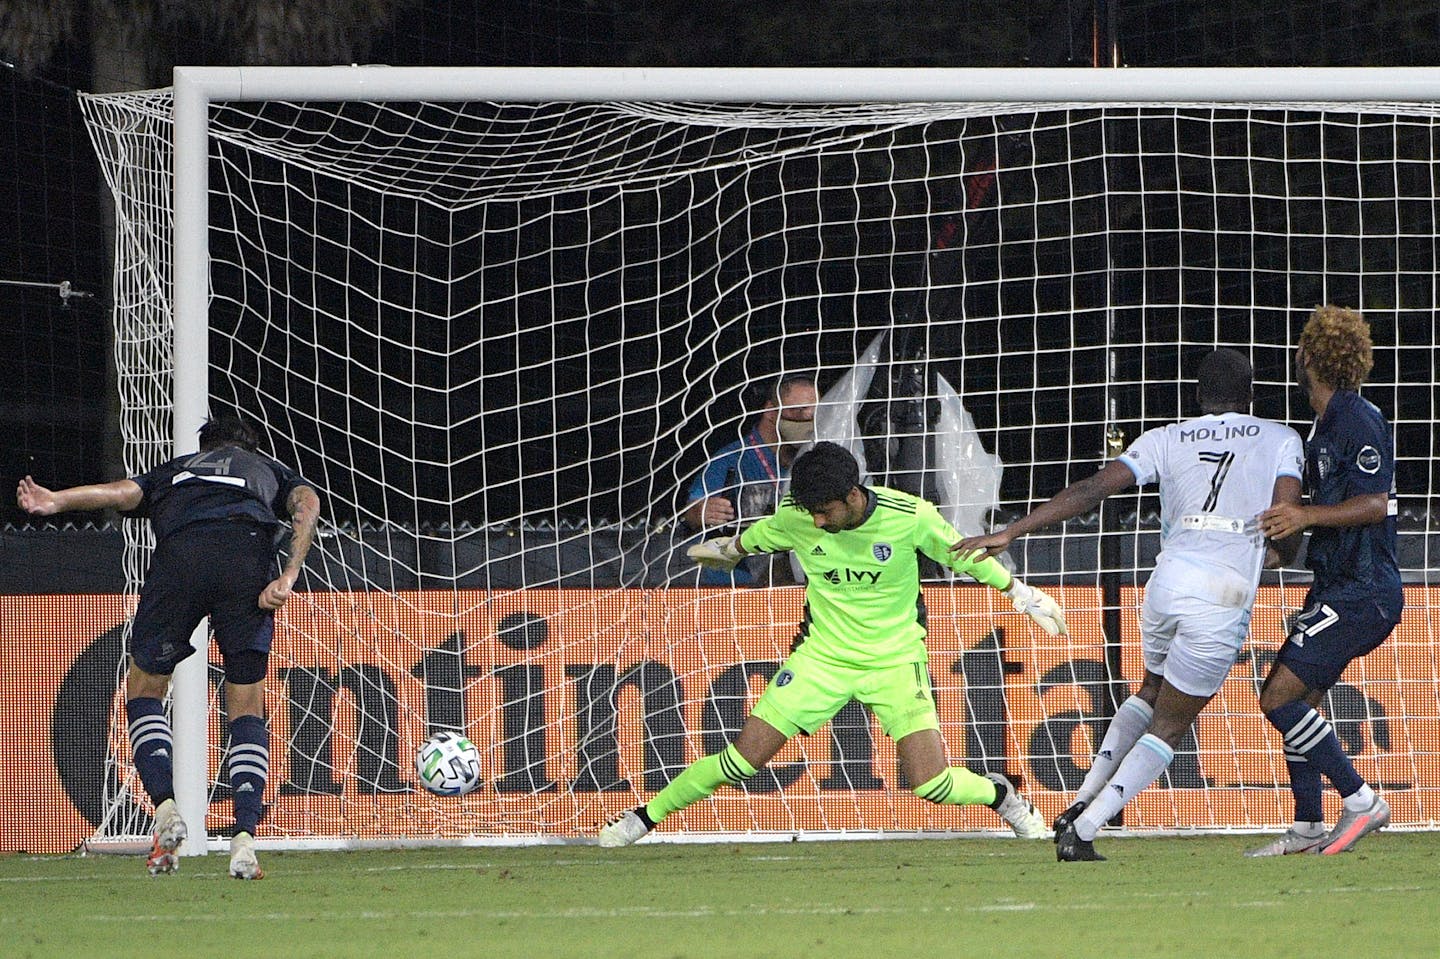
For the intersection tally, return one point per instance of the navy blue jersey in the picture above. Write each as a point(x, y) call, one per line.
point(228, 483)
point(1349, 453)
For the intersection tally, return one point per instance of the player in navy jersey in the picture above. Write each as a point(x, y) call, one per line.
point(1217, 473)
point(215, 514)
point(1355, 600)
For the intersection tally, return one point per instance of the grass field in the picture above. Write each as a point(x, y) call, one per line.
point(998, 899)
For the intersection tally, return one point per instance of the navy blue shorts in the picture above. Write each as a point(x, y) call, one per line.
point(1329, 635)
point(213, 569)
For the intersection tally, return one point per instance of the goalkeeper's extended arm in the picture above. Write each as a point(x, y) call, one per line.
point(722, 553)
point(1038, 605)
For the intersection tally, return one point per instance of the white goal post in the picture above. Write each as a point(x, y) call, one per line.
point(881, 99)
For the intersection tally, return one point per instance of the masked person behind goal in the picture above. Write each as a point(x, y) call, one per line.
point(744, 480)
point(863, 638)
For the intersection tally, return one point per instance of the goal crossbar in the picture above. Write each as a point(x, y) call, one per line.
point(1017, 85)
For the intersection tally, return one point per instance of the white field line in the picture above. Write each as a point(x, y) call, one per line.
point(699, 912)
point(398, 867)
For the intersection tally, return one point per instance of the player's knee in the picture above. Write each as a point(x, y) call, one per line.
point(1276, 697)
point(246, 667)
point(142, 684)
point(1282, 687)
point(1168, 732)
point(1286, 715)
point(1149, 690)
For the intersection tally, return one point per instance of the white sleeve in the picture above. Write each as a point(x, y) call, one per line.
point(1145, 456)
point(1291, 461)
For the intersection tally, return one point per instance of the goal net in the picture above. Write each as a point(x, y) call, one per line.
point(502, 338)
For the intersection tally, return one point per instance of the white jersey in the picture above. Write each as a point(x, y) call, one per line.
point(1216, 474)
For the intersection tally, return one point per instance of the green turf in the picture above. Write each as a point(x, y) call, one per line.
point(995, 899)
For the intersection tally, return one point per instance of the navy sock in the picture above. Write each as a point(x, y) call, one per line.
point(249, 763)
point(1306, 787)
point(152, 747)
point(1308, 734)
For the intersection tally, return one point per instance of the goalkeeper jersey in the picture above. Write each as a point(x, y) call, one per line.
point(862, 593)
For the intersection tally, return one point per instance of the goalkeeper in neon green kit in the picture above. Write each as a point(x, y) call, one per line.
point(863, 637)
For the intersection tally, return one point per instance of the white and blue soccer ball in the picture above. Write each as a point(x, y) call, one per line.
point(448, 764)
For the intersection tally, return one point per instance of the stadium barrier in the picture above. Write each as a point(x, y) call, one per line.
point(582, 700)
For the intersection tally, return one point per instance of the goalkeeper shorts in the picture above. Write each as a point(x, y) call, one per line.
point(805, 694)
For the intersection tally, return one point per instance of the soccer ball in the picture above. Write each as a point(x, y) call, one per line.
point(448, 764)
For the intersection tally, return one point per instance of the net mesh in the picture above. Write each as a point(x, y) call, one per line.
point(501, 339)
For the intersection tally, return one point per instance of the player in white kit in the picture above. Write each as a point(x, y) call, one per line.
point(1216, 474)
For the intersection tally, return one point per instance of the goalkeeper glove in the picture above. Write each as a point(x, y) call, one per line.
point(721, 553)
point(1038, 606)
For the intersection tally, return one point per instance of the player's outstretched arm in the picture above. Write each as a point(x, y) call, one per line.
point(1077, 498)
point(38, 501)
point(1028, 600)
point(304, 506)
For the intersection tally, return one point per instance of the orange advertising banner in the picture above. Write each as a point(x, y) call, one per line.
point(582, 702)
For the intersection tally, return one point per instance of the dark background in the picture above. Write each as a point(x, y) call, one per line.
point(56, 386)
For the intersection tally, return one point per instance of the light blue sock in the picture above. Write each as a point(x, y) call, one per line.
point(1126, 726)
point(1142, 766)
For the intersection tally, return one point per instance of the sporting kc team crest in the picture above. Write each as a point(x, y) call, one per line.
point(882, 551)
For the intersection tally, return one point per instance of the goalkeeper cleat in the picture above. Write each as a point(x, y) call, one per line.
point(1018, 811)
point(1069, 847)
point(1288, 843)
point(170, 832)
point(1353, 826)
point(1068, 817)
point(624, 830)
point(243, 864)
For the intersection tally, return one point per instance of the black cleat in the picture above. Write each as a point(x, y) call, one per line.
point(1069, 847)
point(1066, 818)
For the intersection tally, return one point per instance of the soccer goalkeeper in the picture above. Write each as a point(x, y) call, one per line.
point(863, 637)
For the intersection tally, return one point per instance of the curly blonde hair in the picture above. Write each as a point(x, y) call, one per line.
point(1337, 346)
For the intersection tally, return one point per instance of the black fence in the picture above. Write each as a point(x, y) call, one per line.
point(88, 559)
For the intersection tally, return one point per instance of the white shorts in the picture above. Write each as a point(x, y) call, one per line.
point(1192, 642)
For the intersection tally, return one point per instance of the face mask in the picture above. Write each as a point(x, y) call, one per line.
point(794, 432)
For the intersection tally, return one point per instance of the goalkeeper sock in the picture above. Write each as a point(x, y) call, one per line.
point(958, 786)
point(152, 746)
point(1126, 727)
point(699, 780)
point(249, 763)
